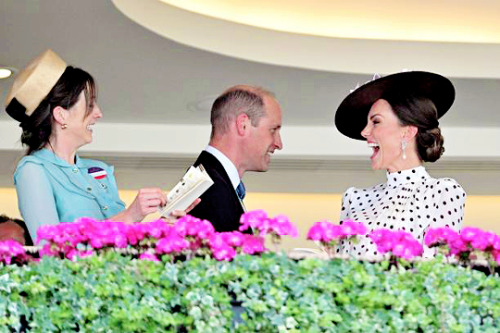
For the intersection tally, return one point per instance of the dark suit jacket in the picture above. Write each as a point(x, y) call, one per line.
point(220, 203)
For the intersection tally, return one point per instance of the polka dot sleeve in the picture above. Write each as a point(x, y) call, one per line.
point(346, 204)
point(448, 202)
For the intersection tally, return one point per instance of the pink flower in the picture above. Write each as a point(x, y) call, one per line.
point(186, 225)
point(205, 229)
point(11, 250)
point(352, 228)
point(324, 232)
point(47, 250)
point(468, 240)
point(457, 245)
point(437, 236)
point(192, 226)
point(131, 235)
point(73, 254)
point(156, 229)
point(401, 244)
point(233, 238)
point(480, 243)
point(253, 244)
point(468, 234)
point(255, 219)
point(173, 243)
point(496, 256)
point(120, 241)
point(85, 254)
point(46, 232)
point(148, 256)
point(316, 232)
point(282, 226)
point(495, 243)
point(224, 252)
point(217, 240)
point(96, 243)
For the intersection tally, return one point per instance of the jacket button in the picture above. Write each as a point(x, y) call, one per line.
point(75, 170)
point(89, 189)
point(103, 186)
point(105, 208)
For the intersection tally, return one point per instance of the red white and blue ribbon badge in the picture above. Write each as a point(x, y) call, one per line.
point(97, 173)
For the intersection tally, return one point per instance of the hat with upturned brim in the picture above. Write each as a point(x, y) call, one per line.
point(351, 116)
point(33, 84)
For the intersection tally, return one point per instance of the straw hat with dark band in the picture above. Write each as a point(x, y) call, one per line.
point(33, 84)
point(351, 115)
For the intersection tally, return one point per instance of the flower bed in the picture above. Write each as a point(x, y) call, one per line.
point(113, 293)
point(155, 277)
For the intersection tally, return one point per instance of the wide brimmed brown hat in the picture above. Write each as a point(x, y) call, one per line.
point(33, 84)
point(351, 116)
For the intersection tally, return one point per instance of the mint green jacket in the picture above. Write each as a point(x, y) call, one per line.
point(50, 191)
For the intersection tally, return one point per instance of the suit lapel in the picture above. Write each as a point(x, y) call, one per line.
point(212, 164)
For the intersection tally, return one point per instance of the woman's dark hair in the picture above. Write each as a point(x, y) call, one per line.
point(421, 113)
point(38, 127)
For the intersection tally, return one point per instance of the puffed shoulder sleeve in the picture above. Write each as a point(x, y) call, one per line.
point(35, 196)
point(449, 203)
point(346, 204)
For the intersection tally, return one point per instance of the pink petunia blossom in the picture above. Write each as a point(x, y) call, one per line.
point(352, 228)
point(253, 245)
point(233, 238)
point(468, 234)
point(255, 219)
point(496, 256)
point(11, 250)
point(224, 252)
point(192, 226)
point(400, 243)
point(173, 243)
point(281, 226)
point(324, 232)
point(148, 256)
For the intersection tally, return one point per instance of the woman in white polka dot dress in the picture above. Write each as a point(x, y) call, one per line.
point(398, 117)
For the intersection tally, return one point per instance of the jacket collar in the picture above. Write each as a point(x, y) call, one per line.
point(49, 156)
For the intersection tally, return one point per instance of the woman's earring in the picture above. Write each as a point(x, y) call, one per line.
point(64, 126)
point(403, 148)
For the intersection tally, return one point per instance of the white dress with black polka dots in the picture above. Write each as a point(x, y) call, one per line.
point(410, 200)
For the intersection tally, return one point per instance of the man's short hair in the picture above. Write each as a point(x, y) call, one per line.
point(28, 241)
point(237, 100)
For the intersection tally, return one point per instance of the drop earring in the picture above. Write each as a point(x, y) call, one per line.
point(64, 126)
point(403, 149)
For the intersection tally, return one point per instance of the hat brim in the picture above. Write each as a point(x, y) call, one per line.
point(32, 85)
point(351, 115)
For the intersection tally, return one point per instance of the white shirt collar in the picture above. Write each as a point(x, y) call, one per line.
point(413, 176)
point(229, 166)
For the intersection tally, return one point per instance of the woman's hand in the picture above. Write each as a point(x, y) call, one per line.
point(146, 202)
point(177, 214)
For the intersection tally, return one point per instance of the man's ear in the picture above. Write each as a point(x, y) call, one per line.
point(242, 123)
point(59, 114)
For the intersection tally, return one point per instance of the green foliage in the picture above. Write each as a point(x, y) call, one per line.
point(112, 293)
